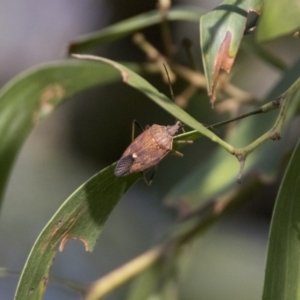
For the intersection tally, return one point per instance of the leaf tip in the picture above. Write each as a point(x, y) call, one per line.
point(223, 61)
point(117, 66)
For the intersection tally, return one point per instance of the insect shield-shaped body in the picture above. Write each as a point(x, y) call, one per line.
point(148, 149)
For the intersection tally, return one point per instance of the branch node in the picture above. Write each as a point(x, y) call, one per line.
point(276, 102)
point(276, 136)
point(242, 159)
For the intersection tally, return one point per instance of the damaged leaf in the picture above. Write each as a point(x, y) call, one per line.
point(82, 217)
point(221, 31)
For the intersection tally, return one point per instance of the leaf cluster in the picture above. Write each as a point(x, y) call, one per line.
point(205, 195)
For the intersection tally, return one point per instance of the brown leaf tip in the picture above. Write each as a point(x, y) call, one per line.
point(223, 61)
point(124, 75)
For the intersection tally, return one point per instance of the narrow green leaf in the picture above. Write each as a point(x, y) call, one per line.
point(283, 262)
point(221, 31)
point(133, 79)
point(34, 94)
point(82, 216)
point(279, 18)
point(126, 27)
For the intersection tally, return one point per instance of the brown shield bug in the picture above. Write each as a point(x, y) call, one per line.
point(149, 148)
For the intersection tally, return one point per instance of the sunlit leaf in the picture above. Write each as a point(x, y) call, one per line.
point(221, 31)
point(82, 216)
point(283, 262)
point(279, 18)
point(126, 27)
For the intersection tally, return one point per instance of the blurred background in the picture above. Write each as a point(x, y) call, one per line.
point(92, 130)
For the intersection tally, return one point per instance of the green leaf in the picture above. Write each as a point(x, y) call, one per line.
point(126, 27)
point(283, 262)
point(34, 94)
point(279, 18)
point(221, 31)
point(133, 79)
point(218, 173)
point(82, 216)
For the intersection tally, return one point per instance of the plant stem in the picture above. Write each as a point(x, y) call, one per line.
point(119, 276)
point(194, 134)
point(263, 109)
point(274, 133)
point(163, 8)
point(193, 77)
point(154, 55)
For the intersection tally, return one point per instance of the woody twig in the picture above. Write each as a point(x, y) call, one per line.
point(195, 78)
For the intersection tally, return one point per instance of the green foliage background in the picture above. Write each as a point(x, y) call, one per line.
point(206, 189)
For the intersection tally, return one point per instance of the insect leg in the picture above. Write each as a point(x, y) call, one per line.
point(145, 178)
point(150, 180)
point(183, 141)
point(147, 181)
point(135, 123)
point(177, 153)
point(152, 175)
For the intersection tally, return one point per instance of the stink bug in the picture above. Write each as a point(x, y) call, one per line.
point(149, 148)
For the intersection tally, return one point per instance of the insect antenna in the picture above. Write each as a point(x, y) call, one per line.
point(135, 123)
point(172, 93)
point(170, 85)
